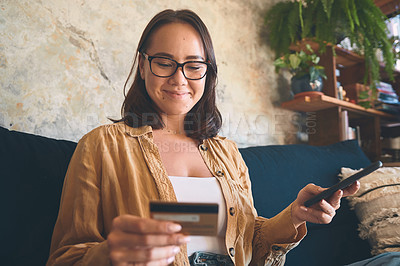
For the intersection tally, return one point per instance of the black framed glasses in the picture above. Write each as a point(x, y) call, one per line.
point(165, 67)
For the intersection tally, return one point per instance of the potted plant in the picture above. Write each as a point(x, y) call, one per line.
point(329, 21)
point(307, 75)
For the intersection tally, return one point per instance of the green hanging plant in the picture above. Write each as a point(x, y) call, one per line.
point(328, 21)
point(365, 99)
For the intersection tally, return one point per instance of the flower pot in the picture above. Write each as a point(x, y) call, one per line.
point(303, 84)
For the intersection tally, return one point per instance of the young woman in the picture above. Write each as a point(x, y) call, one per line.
point(166, 148)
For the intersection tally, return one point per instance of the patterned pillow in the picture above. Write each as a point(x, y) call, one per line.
point(377, 206)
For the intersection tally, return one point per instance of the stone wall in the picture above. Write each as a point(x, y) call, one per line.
point(63, 65)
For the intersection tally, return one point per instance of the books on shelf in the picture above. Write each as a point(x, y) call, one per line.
point(344, 120)
point(393, 108)
point(348, 132)
point(386, 93)
point(388, 100)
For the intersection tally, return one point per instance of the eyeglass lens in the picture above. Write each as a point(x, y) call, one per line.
point(164, 67)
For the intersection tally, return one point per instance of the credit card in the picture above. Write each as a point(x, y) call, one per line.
point(195, 218)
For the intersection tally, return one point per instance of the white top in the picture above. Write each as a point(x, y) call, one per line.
point(203, 190)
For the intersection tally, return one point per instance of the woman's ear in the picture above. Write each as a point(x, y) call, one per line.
point(141, 65)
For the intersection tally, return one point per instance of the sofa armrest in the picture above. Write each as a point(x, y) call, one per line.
point(32, 175)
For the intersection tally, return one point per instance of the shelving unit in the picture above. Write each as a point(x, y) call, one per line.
point(350, 65)
point(333, 116)
point(313, 103)
point(330, 122)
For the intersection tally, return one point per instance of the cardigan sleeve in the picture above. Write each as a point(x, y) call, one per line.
point(77, 236)
point(270, 247)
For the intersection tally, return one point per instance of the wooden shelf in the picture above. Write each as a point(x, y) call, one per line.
point(344, 57)
point(332, 117)
point(388, 6)
point(321, 102)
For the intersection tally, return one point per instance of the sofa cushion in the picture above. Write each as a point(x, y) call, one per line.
point(377, 206)
point(32, 175)
point(278, 172)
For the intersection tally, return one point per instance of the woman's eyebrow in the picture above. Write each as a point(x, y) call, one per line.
point(195, 57)
point(172, 57)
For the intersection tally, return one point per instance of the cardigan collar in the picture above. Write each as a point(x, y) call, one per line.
point(145, 130)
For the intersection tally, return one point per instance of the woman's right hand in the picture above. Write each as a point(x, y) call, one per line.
point(142, 241)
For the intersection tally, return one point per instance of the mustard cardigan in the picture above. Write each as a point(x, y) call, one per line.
point(117, 169)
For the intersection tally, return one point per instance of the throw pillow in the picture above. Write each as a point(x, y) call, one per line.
point(377, 206)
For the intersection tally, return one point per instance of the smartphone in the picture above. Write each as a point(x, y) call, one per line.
point(343, 184)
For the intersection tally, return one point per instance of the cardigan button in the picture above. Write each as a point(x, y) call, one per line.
point(220, 173)
point(276, 248)
point(232, 252)
point(203, 147)
point(232, 211)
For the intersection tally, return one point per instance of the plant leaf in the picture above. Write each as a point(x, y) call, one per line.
point(327, 4)
point(294, 61)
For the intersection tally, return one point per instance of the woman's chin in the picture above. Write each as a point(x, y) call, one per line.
point(176, 110)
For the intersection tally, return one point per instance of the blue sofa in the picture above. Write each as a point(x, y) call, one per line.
point(33, 169)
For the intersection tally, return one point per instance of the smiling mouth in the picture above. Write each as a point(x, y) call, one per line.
point(177, 94)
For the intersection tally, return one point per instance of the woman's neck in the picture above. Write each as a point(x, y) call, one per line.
point(174, 124)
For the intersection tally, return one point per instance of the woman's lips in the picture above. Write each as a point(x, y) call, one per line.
point(179, 95)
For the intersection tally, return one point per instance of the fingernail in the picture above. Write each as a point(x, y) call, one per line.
point(174, 227)
point(170, 260)
point(175, 250)
point(320, 189)
point(184, 239)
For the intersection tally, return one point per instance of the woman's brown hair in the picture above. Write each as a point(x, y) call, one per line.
point(203, 120)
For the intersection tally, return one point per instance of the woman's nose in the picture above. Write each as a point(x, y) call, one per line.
point(179, 78)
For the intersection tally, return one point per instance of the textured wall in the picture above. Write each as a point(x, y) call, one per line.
point(63, 65)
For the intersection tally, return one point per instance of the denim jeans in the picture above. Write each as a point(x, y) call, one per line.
point(387, 259)
point(200, 258)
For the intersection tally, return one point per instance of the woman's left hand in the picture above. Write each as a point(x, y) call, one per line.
point(323, 211)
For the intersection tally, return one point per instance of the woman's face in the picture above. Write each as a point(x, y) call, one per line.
point(174, 95)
